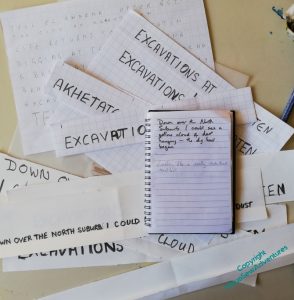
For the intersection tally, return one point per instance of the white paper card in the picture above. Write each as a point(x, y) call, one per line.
point(277, 216)
point(267, 134)
point(101, 254)
point(277, 177)
point(238, 100)
point(17, 173)
point(250, 204)
point(74, 31)
point(90, 134)
point(35, 224)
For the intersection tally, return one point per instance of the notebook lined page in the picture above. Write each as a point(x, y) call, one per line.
point(190, 172)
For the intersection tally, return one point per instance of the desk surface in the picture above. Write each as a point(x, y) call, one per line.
point(247, 36)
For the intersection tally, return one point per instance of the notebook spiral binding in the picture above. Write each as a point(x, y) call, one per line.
point(147, 194)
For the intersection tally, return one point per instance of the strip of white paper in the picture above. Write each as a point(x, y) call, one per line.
point(74, 31)
point(239, 100)
point(87, 95)
point(277, 177)
point(141, 59)
point(267, 134)
point(249, 204)
point(101, 254)
point(218, 264)
point(17, 173)
point(103, 132)
point(277, 216)
point(44, 223)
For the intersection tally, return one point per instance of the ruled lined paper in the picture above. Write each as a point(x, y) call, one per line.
point(191, 172)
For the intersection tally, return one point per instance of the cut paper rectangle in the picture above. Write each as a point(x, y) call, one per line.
point(277, 177)
point(87, 95)
point(277, 216)
point(218, 264)
point(141, 59)
point(267, 134)
point(250, 204)
point(78, 165)
point(45, 223)
point(75, 33)
point(101, 254)
point(238, 100)
point(90, 134)
point(17, 173)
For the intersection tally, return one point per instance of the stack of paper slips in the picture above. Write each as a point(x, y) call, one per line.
point(84, 75)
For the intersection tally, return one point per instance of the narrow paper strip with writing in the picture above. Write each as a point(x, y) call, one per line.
point(90, 134)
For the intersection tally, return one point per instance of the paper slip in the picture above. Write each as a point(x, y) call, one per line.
point(277, 177)
point(127, 251)
point(17, 173)
point(249, 204)
point(101, 254)
point(250, 139)
point(36, 225)
point(141, 59)
point(277, 216)
point(89, 184)
point(268, 134)
point(75, 33)
point(218, 264)
point(88, 95)
point(239, 100)
point(90, 134)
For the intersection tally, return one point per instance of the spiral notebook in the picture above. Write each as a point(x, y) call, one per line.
point(189, 171)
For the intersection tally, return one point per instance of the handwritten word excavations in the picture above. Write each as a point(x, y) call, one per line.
point(164, 71)
point(145, 38)
point(84, 97)
point(113, 136)
point(95, 133)
point(152, 78)
point(78, 251)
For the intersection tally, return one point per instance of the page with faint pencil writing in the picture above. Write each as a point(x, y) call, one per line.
point(190, 172)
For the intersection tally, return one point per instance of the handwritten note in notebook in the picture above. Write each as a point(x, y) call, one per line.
point(74, 31)
point(189, 163)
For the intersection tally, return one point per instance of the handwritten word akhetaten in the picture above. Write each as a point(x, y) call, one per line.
point(15, 173)
point(84, 97)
